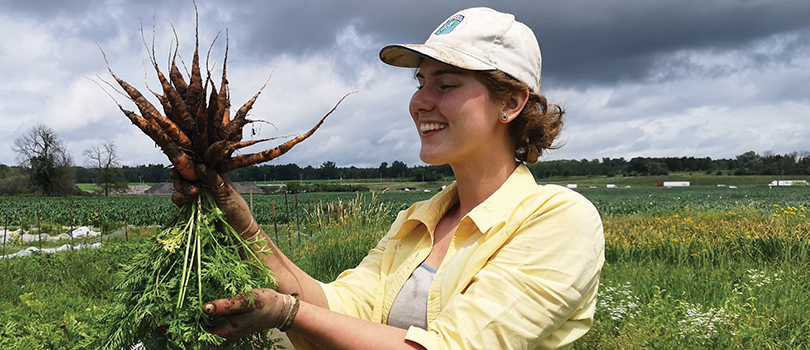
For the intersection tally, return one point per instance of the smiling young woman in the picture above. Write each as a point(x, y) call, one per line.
point(459, 121)
point(494, 261)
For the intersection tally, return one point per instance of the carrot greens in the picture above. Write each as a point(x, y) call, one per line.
point(159, 295)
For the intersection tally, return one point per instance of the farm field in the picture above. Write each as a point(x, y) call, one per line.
point(701, 267)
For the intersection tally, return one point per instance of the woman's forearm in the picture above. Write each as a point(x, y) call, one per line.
point(291, 279)
point(331, 330)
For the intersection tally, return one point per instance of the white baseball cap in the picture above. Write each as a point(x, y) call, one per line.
point(480, 39)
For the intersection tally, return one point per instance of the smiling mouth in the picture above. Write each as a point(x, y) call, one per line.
point(428, 127)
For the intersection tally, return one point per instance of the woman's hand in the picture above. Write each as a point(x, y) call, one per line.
point(251, 312)
point(291, 279)
point(227, 199)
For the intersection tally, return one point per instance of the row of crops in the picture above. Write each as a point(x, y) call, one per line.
point(668, 200)
point(157, 210)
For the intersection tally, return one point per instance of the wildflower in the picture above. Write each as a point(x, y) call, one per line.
point(618, 301)
point(704, 324)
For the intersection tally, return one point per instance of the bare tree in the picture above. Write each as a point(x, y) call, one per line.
point(49, 166)
point(105, 162)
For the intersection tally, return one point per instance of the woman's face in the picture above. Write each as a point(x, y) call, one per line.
point(456, 119)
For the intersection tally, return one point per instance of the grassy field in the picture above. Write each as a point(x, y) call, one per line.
point(695, 268)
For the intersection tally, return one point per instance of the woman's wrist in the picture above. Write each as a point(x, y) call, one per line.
point(289, 311)
point(251, 231)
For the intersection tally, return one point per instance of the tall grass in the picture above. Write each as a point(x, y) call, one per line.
point(344, 232)
point(705, 280)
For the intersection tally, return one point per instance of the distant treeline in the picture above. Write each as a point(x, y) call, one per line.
point(749, 163)
point(154, 173)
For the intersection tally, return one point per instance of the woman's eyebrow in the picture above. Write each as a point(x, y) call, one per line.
point(440, 72)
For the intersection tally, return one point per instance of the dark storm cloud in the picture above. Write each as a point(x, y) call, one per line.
point(48, 8)
point(600, 42)
point(623, 42)
point(638, 77)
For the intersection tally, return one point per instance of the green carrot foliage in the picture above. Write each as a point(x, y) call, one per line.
point(159, 294)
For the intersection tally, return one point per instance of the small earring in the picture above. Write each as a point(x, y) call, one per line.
point(504, 117)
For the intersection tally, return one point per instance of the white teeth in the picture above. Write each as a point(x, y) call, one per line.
point(432, 126)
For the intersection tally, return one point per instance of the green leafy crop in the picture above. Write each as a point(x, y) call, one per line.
point(159, 295)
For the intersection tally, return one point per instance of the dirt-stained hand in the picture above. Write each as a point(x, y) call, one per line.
point(237, 212)
point(248, 313)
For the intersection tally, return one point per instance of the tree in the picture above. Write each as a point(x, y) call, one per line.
point(104, 161)
point(398, 169)
point(329, 170)
point(12, 181)
point(383, 169)
point(49, 167)
point(748, 163)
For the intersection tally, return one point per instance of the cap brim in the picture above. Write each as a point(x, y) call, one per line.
point(411, 56)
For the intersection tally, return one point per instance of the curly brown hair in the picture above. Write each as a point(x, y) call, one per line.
point(538, 124)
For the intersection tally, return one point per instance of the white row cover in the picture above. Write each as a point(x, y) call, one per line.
point(34, 250)
point(79, 232)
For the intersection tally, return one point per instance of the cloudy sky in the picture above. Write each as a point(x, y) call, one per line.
point(638, 77)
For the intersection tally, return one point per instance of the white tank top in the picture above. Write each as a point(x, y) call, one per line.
point(410, 306)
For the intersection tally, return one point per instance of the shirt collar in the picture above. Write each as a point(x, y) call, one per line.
point(430, 212)
point(485, 215)
point(506, 198)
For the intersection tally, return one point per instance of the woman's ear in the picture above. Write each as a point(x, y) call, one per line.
point(514, 105)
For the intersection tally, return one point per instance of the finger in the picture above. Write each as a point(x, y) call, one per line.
point(174, 174)
point(239, 304)
point(180, 199)
point(224, 329)
point(186, 188)
point(235, 327)
point(208, 176)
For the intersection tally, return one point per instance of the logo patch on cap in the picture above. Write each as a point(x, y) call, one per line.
point(449, 25)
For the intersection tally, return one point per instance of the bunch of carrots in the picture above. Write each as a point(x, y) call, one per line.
point(158, 297)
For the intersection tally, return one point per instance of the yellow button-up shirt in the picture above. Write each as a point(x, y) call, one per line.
point(521, 272)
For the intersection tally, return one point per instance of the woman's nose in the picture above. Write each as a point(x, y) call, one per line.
point(421, 101)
